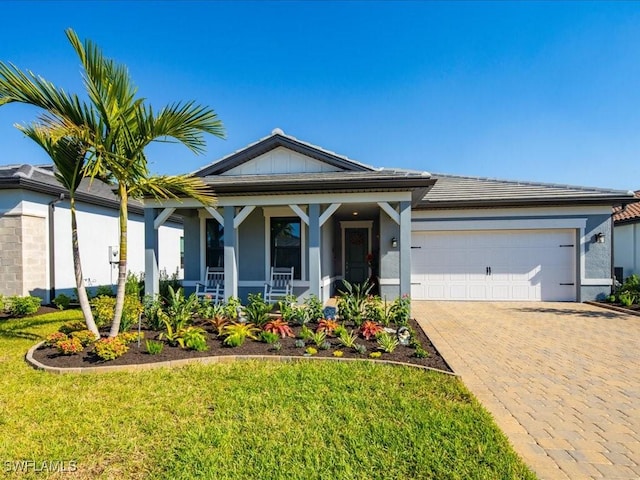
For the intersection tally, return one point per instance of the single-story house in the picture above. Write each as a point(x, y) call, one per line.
point(626, 239)
point(287, 203)
point(35, 234)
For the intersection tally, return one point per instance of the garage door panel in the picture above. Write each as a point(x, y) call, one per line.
point(525, 265)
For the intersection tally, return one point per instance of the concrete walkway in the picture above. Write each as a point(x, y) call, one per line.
point(562, 380)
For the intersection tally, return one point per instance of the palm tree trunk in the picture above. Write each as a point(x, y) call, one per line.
point(77, 267)
point(122, 266)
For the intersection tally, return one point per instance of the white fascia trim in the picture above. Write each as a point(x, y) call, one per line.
point(390, 281)
point(506, 224)
point(297, 199)
point(600, 282)
point(162, 217)
point(512, 212)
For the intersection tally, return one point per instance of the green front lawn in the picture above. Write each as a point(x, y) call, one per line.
point(253, 420)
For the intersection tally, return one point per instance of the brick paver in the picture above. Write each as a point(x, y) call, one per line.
point(562, 380)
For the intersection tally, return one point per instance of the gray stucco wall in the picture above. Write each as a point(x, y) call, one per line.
point(389, 257)
point(597, 257)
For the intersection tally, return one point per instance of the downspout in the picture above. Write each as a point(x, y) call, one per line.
point(52, 249)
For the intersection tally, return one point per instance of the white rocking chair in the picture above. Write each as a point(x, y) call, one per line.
point(280, 285)
point(213, 285)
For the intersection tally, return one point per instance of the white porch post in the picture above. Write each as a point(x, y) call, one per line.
point(314, 250)
point(405, 248)
point(151, 269)
point(230, 261)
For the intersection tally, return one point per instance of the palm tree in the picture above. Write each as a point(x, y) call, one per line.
point(69, 157)
point(116, 127)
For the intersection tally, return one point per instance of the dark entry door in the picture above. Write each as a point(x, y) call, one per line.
point(356, 244)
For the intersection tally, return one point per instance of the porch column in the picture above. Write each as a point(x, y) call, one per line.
point(405, 248)
point(314, 250)
point(230, 263)
point(151, 269)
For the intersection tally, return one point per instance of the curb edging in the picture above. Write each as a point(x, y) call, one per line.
point(206, 361)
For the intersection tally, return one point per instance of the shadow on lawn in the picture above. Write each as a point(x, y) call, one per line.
point(17, 328)
point(572, 312)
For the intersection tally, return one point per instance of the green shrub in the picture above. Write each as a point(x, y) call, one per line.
point(70, 346)
point(134, 285)
point(2, 303)
point(69, 327)
point(130, 337)
point(167, 281)
point(62, 301)
point(420, 353)
point(180, 309)
point(131, 312)
point(86, 337)
point(153, 347)
point(231, 307)
point(314, 308)
point(374, 310)
point(400, 311)
point(268, 337)
point(110, 348)
point(387, 343)
point(103, 291)
point(103, 308)
point(151, 308)
point(20, 306)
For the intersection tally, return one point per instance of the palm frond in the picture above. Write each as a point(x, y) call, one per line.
point(175, 187)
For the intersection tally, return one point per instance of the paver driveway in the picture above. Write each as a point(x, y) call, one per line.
point(561, 379)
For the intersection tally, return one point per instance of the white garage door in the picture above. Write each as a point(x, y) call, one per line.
point(493, 265)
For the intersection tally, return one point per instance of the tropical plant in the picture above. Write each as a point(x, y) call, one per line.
point(313, 306)
point(400, 311)
point(327, 326)
point(305, 333)
point(151, 309)
point(130, 337)
point(231, 308)
point(210, 310)
point(348, 339)
point(318, 337)
point(279, 327)
point(180, 308)
point(375, 354)
point(340, 330)
point(236, 333)
point(338, 353)
point(288, 308)
point(134, 285)
point(370, 329)
point(194, 339)
point(387, 342)
point(374, 310)
point(153, 347)
point(420, 353)
point(111, 133)
point(62, 301)
point(311, 351)
point(218, 323)
point(110, 348)
point(257, 310)
point(18, 306)
point(352, 301)
point(165, 281)
point(268, 337)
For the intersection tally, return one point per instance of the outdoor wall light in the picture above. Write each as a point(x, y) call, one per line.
point(598, 237)
point(394, 242)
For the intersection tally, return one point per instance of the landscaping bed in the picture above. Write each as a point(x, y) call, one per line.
point(50, 356)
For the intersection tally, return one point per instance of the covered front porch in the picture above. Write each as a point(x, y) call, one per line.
point(326, 237)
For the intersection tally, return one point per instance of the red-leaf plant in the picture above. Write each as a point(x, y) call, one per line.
point(279, 327)
point(370, 329)
point(327, 326)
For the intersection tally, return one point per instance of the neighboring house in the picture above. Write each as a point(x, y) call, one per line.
point(35, 234)
point(626, 239)
point(285, 202)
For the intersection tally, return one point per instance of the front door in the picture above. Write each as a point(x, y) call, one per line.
point(356, 244)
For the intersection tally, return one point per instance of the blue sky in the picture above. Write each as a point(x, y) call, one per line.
point(527, 91)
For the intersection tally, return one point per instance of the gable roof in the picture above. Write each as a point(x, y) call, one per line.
point(629, 213)
point(460, 191)
point(273, 141)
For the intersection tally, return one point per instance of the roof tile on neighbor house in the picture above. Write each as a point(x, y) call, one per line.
point(629, 213)
point(454, 190)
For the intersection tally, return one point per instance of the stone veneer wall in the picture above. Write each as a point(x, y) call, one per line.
point(23, 255)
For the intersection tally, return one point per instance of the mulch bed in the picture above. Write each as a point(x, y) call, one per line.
point(138, 355)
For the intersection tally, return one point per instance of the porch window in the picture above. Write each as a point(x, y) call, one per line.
point(215, 243)
point(286, 244)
